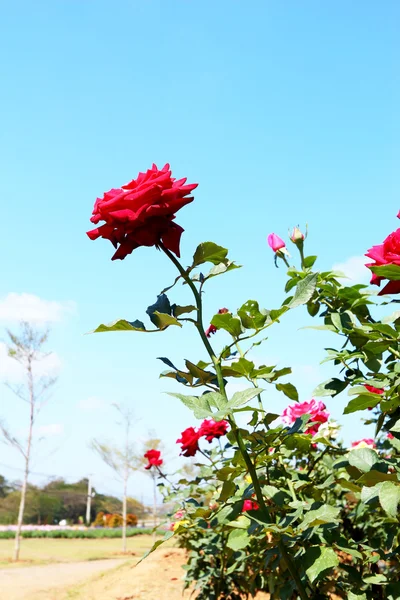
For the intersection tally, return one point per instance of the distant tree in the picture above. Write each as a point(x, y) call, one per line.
point(5, 487)
point(123, 460)
point(27, 349)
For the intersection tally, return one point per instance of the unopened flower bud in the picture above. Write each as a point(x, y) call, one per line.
point(297, 236)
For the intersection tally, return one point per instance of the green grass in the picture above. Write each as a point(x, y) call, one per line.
point(71, 534)
point(44, 551)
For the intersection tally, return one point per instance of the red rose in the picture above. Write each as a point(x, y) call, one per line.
point(211, 429)
point(153, 456)
point(212, 329)
point(374, 390)
point(387, 253)
point(190, 441)
point(317, 410)
point(250, 505)
point(141, 213)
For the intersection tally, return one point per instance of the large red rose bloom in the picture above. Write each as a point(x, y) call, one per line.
point(141, 213)
point(190, 441)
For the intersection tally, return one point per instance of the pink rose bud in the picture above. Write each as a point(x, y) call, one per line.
point(297, 236)
point(275, 242)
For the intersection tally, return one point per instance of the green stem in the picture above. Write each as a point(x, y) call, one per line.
point(238, 436)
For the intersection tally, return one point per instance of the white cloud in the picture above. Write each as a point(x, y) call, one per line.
point(53, 429)
point(91, 404)
point(12, 371)
point(27, 307)
point(354, 268)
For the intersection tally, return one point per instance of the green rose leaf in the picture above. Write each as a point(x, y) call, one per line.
point(389, 498)
point(226, 321)
point(238, 539)
point(251, 315)
point(240, 398)
point(351, 596)
point(363, 459)
point(304, 290)
point(289, 390)
point(177, 311)
point(158, 543)
point(163, 320)
point(330, 387)
point(241, 367)
point(362, 402)
point(123, 325)
point(318, 560)
point(309, 261)
point(391, 272)
point(209, 252)
point(373, 477)
point(200, 406)
point(320, 516)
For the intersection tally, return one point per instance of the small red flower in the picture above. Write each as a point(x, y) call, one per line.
point(390, 436)
point(190, 441)
point(364, 443)
point(211, 429)
point(210, 330)
point(249, 505)
point(141, 213)
point(374, 390)
point(153, 457)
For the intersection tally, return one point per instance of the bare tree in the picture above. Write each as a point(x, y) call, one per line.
point(123, 460)
point(27, 349)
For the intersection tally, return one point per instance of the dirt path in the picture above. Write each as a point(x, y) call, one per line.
point(36, 582)
point(159, 577)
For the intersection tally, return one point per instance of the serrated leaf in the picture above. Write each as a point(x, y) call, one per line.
point(158, 543)
point(362, 402)
point(200, 406)
point(373, 477)
point(209, 252)
point(363, 459)
point(163, 320)
point(289, 390)
point(369, 494)
point(318, 560)
point(177, 310)
point(240, 398)
point(351, 596)
point(391, 272)
point(226, 321)
point(304, 290)
point(238, 539)
point(309, 261)
point(323, 514)
point(389, 498)
point(122, 325)
point(223, 267)
point(251, 316)
point(330, 387)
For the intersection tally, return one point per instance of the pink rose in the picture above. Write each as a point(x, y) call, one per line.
point(364, 443)
point(316, 410)
point(387, 253)
point(275, 242)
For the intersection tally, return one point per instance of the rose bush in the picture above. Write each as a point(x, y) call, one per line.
point(280, 505)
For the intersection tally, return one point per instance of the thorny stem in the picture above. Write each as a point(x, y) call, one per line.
point(238, 436)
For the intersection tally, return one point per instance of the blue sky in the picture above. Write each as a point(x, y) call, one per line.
point(283, 112)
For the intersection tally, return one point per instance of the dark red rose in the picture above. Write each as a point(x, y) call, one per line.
point(210, 330)
point(211, 429)
point(387, 253)
point(141, 213)
point(190, 441)
point(153, 456)
point(249, 505)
